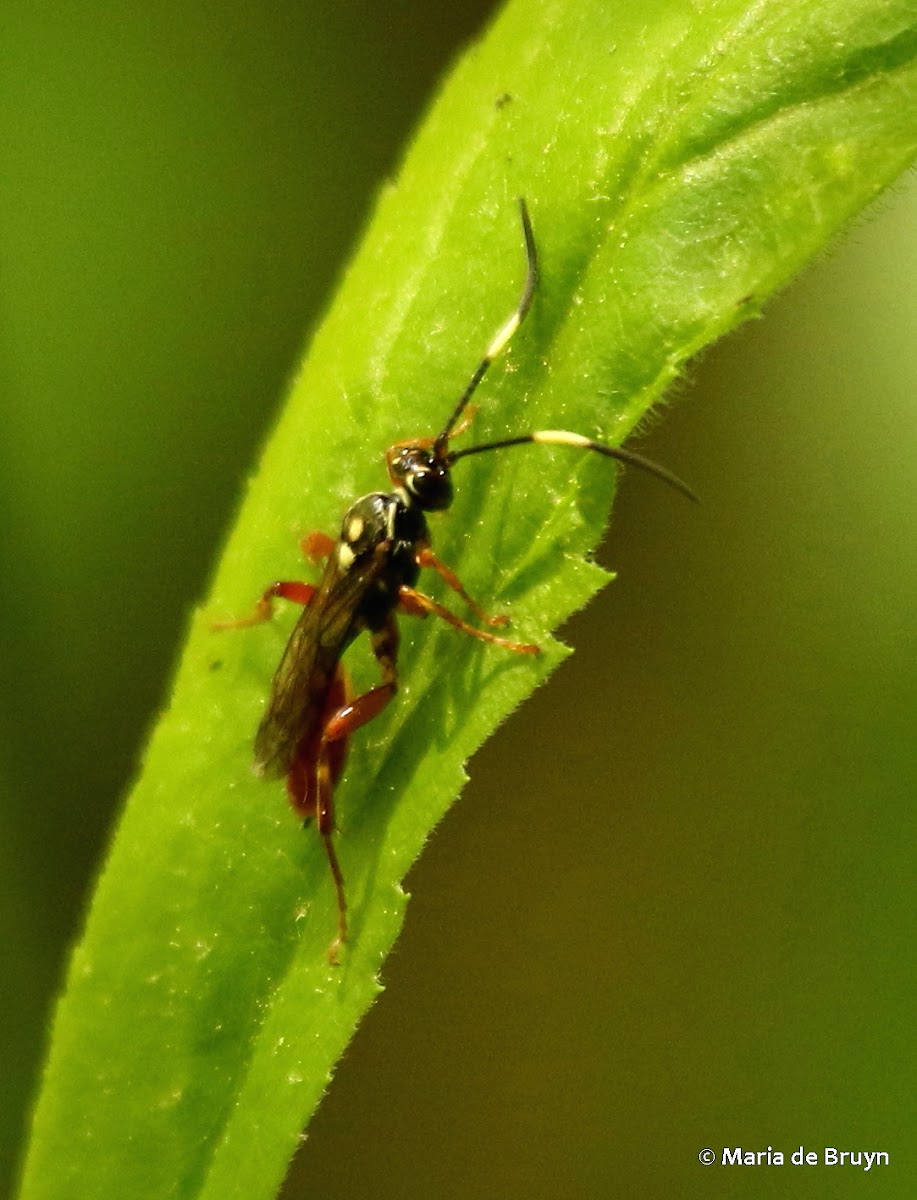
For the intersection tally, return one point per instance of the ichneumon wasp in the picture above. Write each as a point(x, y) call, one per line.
point(369, 576)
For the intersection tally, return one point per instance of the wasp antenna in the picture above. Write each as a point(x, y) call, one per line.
point(506, 331)
point(562, 437)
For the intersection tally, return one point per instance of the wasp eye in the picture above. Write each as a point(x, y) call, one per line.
point(424, 476)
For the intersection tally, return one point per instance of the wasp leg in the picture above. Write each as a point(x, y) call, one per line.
point(353, 715)
point(317, 546)
point(302, 777)
point(466, 422)
point(419, 605)
point(426, 558)
point(339, 726)
point(311, 780)
point(426, 443)
point(286, 589)
point(325, 821)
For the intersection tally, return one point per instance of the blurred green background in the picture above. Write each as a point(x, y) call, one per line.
point(677, 905)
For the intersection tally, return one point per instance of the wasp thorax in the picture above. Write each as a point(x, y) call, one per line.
point(423, 475)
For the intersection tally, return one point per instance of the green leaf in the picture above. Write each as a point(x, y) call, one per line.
point(680, 165)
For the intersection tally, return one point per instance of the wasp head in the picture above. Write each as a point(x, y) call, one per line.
point(421, 470)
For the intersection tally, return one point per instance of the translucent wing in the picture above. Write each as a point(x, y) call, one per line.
point(323, 632)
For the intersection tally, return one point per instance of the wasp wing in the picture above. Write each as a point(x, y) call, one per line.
point(326, 627)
